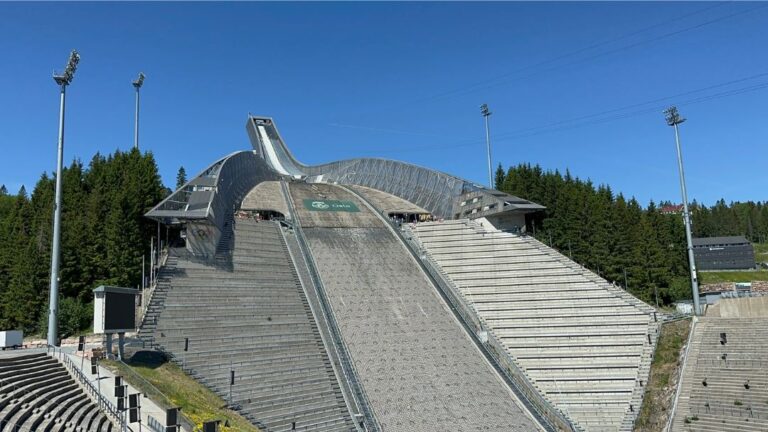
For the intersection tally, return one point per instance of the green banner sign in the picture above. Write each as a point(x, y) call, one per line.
point(330, 205)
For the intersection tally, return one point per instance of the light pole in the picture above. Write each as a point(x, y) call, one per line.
point(487, 113)
point(63, 80)
point(137, 84)
point(673, 119)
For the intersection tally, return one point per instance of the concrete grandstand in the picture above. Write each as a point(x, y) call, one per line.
point(41, 391)
point(724, 384)
point(337, 314)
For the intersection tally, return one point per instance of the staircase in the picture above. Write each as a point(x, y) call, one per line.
point(254, 319)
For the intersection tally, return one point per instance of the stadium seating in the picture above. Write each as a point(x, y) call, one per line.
point(585, 344)
point(416, 363)
point(37, 393)
point(254, 319)
point(725, 385)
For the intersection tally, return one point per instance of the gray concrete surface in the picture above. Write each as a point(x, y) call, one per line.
point(583, 343)
point(266, 195)
point(419, 368)
point(256, 321)
point(745, 307)
point(386, 202)
point(725, 385)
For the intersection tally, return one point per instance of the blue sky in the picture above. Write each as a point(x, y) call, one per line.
point(402, 81)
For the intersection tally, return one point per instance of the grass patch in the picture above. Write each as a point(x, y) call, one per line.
point(733, 276)
point(197, 402)
point(665, 370)
point(761, 252)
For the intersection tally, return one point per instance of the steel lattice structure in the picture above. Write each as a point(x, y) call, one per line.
point(207, 201)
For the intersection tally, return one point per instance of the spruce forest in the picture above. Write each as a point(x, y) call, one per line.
point(104, 236)
point(635, 246)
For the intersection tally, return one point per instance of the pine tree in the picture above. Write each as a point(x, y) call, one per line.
point(104, 235)
point(181, 177)
point(499, 179)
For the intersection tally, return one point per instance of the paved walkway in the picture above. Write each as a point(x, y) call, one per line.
point(107, 385)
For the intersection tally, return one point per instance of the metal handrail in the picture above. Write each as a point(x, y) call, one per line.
point(104, 403)
point(158, 397)
point(348, 367)
point(551, 417)
point(149, 292)
point(679, 387)
point(351, 405)
point(17, 427)
point(547, 415)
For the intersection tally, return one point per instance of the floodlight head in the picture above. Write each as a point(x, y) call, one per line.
point(66, 77)
point(672, 116)
point(139, 81)
point(484, 110)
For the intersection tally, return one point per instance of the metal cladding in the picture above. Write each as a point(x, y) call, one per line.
point(211, 197)
point(444, 195)
point(214, 193)
point(723, 253)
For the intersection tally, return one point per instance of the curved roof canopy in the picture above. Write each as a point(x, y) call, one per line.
point(214, 192)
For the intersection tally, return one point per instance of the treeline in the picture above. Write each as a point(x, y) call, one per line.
point(749, 219)
point(617, 237)
point(103, 238)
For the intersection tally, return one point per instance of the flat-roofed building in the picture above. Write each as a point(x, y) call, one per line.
point(723, 253)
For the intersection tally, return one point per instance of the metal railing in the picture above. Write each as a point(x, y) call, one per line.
point(108, 407)
point(348, 367)
point(546, 414)
point(148, 390)
point(322, 323)
point(730, 362)
point(723, 410)
point(41, 406)
point(148, 292)
point(679, 387)
point(154, 425)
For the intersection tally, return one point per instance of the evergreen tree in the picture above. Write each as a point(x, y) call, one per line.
point(104, 235)
point(615, 236)
point(181, 177)
point(499, 178)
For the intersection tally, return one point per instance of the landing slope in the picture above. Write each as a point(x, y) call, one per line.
point(421, 372)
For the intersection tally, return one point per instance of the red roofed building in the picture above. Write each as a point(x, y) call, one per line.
point(671, 209)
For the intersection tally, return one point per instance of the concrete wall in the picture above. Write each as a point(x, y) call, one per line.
point(202, 238)
point(746, 307)
point(507, 221)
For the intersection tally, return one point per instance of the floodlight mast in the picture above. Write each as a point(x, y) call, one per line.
point(63, 80)
point(487, 113)
point(674, 119)
point(137, 84)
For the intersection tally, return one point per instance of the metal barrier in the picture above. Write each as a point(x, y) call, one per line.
point(148, 292)
point(109, 408)
point(342, 351)
point(730, 362)
point(723, 410)
point(149, 390)
point(679, 388)
point(154, 425)
point(550, 417)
